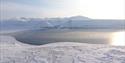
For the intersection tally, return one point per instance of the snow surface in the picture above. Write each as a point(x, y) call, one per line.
point(13, 51)
point(76, 22)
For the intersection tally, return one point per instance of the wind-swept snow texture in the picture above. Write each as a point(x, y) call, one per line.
point(12, 51)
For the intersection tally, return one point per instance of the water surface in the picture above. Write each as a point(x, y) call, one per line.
point(95, 36)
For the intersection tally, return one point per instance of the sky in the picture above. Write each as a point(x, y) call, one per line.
point(96, 9)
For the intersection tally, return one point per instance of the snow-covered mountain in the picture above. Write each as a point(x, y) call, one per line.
point(74, 22)
point(79, 18)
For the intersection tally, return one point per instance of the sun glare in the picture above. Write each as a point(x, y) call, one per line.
point(118, 39)
point(101, 9)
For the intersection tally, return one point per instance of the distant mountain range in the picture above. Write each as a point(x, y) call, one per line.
point(69, 22)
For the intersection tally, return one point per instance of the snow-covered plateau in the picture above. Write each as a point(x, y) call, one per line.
point(75, 22)
point(13, 51)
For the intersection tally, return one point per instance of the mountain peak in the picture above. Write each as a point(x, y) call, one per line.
point(79, 18)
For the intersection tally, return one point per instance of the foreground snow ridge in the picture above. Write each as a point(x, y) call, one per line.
point(63, 52)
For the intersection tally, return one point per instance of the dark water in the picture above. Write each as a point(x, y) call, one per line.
point(39, 37)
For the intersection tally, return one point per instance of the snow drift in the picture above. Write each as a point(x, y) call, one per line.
point(12, 51)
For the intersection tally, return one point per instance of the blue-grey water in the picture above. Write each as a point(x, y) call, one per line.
point(95, 36)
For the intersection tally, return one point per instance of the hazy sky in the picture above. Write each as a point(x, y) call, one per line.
point(97, 9)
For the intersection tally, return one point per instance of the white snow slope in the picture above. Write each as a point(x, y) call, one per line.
point(12, 51)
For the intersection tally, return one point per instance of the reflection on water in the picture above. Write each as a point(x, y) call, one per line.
point(118, 39)
point(40, 37)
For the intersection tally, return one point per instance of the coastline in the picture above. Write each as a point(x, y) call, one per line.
point(63, 52)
